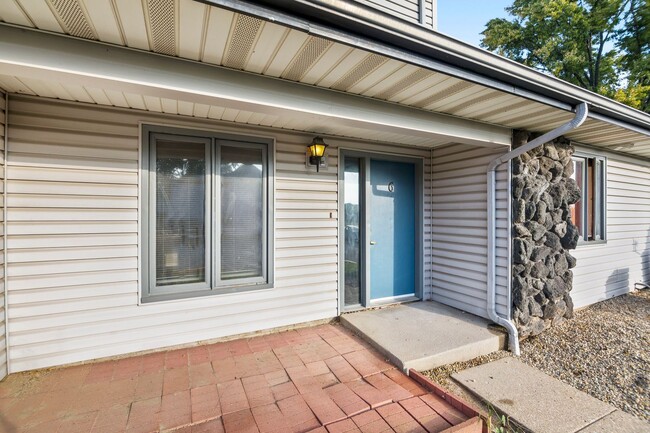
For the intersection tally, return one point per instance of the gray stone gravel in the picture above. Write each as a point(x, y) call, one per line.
point(604, 351)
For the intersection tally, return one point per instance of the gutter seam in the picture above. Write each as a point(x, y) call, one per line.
point(582, 112)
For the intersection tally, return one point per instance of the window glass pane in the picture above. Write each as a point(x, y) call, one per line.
point(242, 212)
point(352, 242)
point(600, 199)
point(180, 212)
point(576, 209)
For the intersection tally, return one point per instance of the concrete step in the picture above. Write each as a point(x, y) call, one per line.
point(425, 335)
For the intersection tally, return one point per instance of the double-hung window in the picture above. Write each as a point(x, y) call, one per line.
point(589, 213)
point(206, 214)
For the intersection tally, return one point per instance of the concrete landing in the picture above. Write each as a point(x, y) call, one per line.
point(424, 335)
point(543, 404)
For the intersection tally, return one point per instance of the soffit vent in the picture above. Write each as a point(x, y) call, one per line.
point(405, 83)
point(465, 105)
point(532, 120)
point(311, 52)
point(362, 70)
point(242, 39)
point(72, 16)
point(439, 96)
point(162, 21)
point(506, 109)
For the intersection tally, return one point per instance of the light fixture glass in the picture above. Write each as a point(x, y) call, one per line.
point(316, 151)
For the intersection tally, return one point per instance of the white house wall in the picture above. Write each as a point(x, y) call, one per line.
point(405, 9)
point(73, 238)
point(459, 225)
point(611, 269)
point(3, 313)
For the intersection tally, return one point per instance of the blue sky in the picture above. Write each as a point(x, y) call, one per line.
point(466, 19)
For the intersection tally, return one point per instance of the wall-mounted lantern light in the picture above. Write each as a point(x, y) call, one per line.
point(316, 152)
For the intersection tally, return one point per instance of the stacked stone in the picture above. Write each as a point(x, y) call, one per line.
point(542, 192)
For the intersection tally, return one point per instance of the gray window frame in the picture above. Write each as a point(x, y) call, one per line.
point(600, 198)
point(213, 284)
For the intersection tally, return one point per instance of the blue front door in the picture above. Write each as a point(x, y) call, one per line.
point(392, 219)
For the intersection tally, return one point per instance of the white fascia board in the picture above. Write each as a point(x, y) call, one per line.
point(64, 59)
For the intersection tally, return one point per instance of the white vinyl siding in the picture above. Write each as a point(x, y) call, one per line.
point(460, 229)
point(405, 9)
point(612, 269)
point(3, 313)
point(73, 238)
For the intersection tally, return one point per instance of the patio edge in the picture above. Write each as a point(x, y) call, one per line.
point(466, 408)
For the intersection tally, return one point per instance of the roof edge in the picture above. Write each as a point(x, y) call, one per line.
point(354, 24)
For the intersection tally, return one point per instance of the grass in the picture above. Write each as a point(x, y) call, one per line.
point(500, 422)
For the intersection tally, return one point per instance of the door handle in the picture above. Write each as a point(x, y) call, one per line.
point(373, 242)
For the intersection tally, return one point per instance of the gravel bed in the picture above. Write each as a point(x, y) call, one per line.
point(604, 351)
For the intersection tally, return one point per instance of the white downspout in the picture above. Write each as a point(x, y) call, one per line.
point(513, 337)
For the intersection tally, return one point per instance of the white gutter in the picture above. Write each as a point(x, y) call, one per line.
point(513, 336)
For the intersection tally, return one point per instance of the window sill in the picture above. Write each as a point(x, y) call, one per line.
point(591, 243)
point(193, 296)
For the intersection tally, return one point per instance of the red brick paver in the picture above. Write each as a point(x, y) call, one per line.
point(321, 379)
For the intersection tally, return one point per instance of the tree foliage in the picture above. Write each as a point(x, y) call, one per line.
point(600, 45)
point(634, 43)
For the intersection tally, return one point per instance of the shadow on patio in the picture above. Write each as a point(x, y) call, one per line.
point(293, 381)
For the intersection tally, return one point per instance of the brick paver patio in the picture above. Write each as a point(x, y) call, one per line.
point(321, 379)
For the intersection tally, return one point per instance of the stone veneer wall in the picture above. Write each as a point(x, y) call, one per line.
point(542, 192)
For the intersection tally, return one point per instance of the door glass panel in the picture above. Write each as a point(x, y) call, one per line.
point(352, 255)
point(242, 212)
point(180, 212)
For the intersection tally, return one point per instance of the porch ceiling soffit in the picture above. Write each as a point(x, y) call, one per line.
point(44, 56)
point(217, 36)
point(458, 91)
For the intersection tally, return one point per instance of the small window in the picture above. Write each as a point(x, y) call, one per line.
point(206, 214)
point(589, 213)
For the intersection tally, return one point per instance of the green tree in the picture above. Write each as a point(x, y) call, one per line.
point(571, 39)
point(634, 43)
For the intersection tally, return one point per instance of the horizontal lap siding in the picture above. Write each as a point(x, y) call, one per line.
point(73, 239)
point(3, 314)
point(404, 9)
point(459, 264)
point(612, 269)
